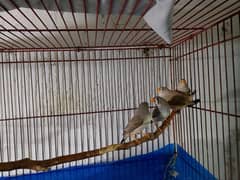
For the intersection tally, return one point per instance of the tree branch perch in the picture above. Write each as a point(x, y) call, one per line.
point(43, 165)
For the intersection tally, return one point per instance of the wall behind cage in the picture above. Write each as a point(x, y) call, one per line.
point(55, 103)
point(211, 130)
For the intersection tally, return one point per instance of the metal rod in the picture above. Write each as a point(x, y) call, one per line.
point(107, 21)
point(137, 22)
point(64, 21)
point(207, 24)
point(227, 93)
point(221, 94)
point(52, 20)
point(75, 22)
point(235, 94)
point(81, 60)
point(86, 22)
point(123, 7)
point(128, 20)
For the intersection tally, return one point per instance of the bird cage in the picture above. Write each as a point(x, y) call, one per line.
point(72, 74)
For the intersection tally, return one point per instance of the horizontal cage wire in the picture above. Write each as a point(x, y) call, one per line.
point(59, 103)
point(72, 74)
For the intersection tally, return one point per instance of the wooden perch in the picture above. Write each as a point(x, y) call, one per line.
point(44, 165)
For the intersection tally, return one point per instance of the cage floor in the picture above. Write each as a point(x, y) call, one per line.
point(151, 166)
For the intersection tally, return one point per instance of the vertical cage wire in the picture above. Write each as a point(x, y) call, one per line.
point(210, 131)
point(56, 103)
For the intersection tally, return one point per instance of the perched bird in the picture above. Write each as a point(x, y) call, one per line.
point(140, 120)
point(165, 93)
point(182, 86)
point(161, 110)
point(177, 100)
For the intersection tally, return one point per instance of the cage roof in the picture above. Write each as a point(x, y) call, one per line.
point(44, 24)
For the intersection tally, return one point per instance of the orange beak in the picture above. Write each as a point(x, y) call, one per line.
point(158, 90)
point(152, 100)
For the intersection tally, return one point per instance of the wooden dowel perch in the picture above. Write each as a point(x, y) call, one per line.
point(44, 165)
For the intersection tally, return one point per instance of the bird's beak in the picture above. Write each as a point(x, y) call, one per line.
point(152, 100)
point(158, 90)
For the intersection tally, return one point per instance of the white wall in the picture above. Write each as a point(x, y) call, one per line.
point(97, 81)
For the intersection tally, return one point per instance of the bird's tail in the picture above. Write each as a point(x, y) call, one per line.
point(193, 93)
point(124, 137)
point(123, 140)
point(196, 101)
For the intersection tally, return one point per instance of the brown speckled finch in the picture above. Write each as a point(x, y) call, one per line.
point(177, 100)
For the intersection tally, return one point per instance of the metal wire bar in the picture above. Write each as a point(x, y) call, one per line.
point(214, 95)
point(200, 17)
point(85, 17)
point(128, 20)
point(64, 100)
point(227, 93)
point(190, 79)
point(64, 21)
point(210, 45)
point(5, 20)
point(137, 22)
point(145, 33)
point(221, 99)
point(206, 23)
point(11, 40)
point(74, 18)
point(84, 48)
point(21, 45)
point(52, 20)
point(123, 7)
point(186, 115)
point(81, 60)
point(204, 98)
point(205, 20)
point(216, 139)
point(235, 96)
point(32, 22)
point(14, 4)
point(107, 21)
point(96, 26)
point(27, 1)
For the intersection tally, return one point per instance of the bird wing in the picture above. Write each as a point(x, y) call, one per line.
point(156, 115)
point(134, 123)
point(155, 112)
point(178, 100)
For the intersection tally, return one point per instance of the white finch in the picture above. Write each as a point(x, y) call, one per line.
point(140, 120)
point(161, 110)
